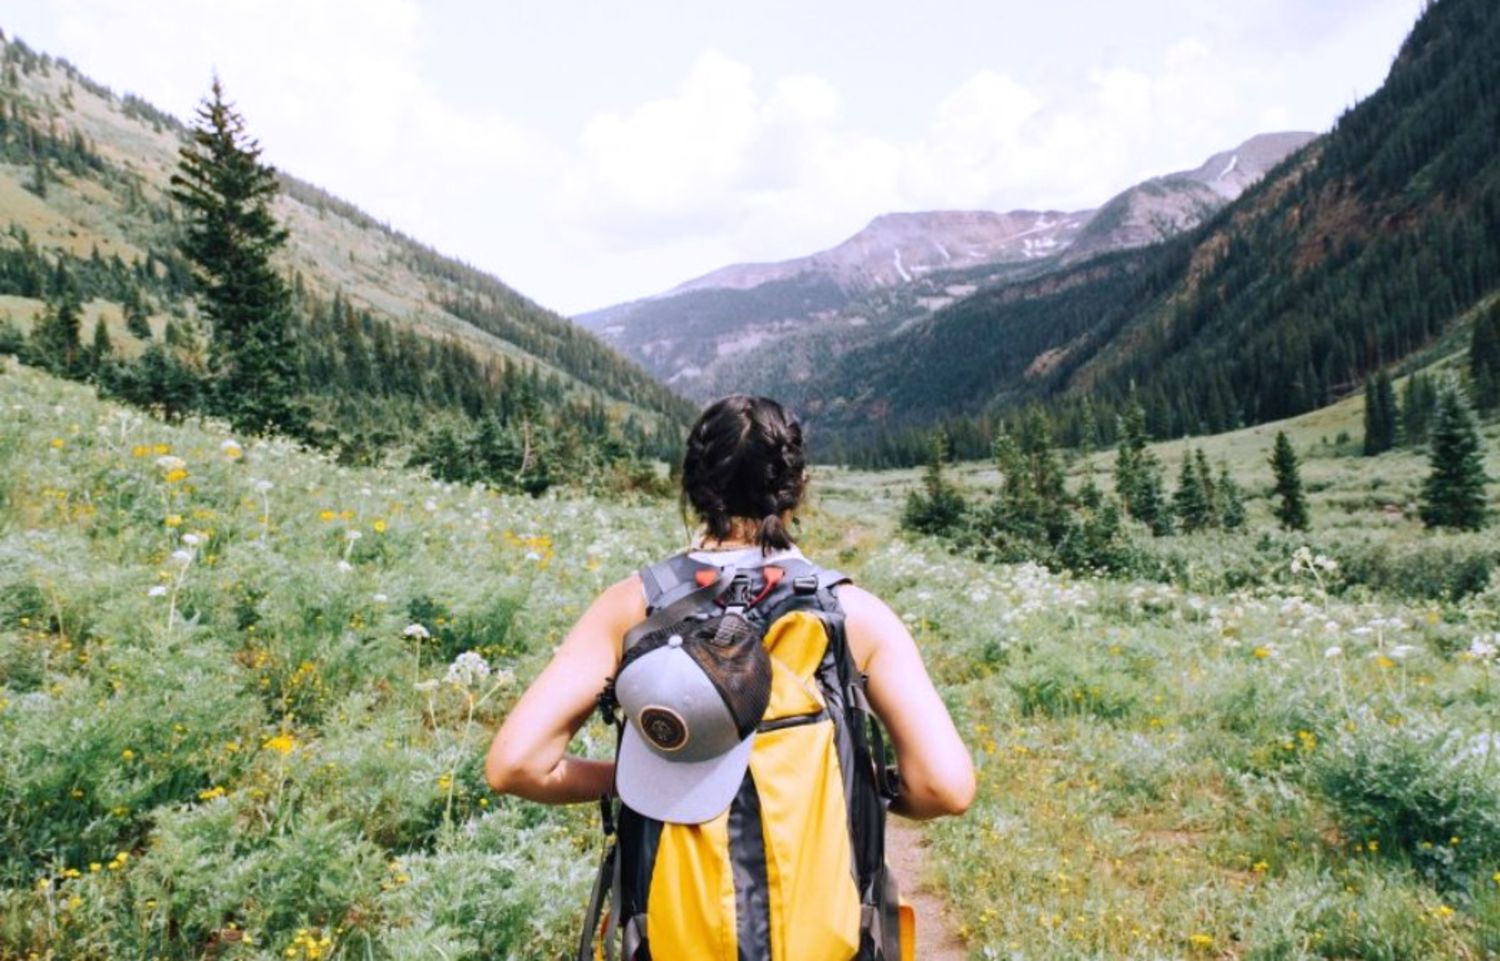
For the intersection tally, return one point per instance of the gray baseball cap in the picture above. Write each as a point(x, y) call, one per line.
point(692, 695)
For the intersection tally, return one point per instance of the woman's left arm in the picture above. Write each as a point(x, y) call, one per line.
point(528, 757)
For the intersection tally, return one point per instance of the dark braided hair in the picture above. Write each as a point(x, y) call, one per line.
point(744, 459)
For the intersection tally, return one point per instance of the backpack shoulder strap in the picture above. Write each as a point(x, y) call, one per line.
point(684, 602)
point(667, 580)
point(804, 584)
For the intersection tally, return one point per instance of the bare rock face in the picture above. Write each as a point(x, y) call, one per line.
point(1162, 206)
point(899, 247)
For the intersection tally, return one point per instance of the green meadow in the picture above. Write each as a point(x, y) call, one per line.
point(245, 694)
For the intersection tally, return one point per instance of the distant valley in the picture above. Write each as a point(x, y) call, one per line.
point(713, 334)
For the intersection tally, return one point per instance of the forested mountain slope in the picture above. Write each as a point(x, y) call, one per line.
point(393, 331)
point(753, 327)
point(1359, 249)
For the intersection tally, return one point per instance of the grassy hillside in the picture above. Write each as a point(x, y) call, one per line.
point(83, 174)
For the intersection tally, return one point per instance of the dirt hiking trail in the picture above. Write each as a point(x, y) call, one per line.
point(906, 851)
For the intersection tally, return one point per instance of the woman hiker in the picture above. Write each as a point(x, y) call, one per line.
point(688, 776)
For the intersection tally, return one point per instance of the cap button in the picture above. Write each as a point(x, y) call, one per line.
point(675, 640)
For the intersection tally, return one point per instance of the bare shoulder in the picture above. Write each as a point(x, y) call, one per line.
point(871, 624)
point(612, 612)
point(860, 604)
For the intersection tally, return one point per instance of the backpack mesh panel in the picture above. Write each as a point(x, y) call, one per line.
point(729, 649)
point(735, 659)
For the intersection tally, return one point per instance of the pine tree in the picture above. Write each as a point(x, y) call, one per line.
point(101, 350)
point(1210, 487)
point(938, 508)
point(1380, 414)
point(1292, 510)
point(230, 237)
point(1089, 495)
point(1453, 494)
point(1190, 501)
point(55, 340)
point(1138, 474)
point(1231, 500)
point(1418, 402)
point(136, 323)
point(1484, 359)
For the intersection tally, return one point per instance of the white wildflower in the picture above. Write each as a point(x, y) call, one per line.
point(263, 485)
point(1483, 650)
point(379, 598)
point(416, 630)
point(169, 463)
point(353, 535)
point(192, 540)
point(1401, 651)
point(182, 557)
point(1333, 651)
point(157, 590)
point(467, 669)
point(344, 567)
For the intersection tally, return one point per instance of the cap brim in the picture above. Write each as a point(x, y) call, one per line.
point(681, 792)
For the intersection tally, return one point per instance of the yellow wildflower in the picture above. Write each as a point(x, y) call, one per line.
point(281, 743)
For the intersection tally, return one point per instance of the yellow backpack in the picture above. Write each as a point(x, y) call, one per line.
point(795, 869)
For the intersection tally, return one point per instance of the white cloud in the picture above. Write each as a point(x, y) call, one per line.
point(732, 164)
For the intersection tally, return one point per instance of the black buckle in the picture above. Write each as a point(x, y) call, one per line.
point(608, 703)
point(806, 584)
point(738, 594)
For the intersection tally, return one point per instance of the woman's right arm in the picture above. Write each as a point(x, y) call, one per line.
point(528, 757)
point(937, 773)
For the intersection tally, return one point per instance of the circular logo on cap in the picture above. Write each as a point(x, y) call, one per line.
point(664, 728)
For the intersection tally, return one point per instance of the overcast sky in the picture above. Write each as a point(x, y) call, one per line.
point(589, 151)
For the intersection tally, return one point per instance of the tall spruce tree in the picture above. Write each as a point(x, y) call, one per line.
point(1138, 474)
point(1231, 500)
point(55, 343)
point(1291, 511)
point(1419, 401)
point(1380, 414)
point(230, 237)
point(1453, 494)
point(1191, 501)
point(1484, 359)
point(101, 350)
point(1211, 496)
point(938, 508)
